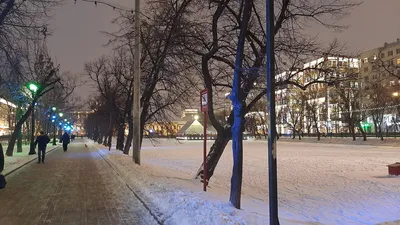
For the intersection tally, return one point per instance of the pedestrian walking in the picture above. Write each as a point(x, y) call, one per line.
point(41, 141)
point(65, 139)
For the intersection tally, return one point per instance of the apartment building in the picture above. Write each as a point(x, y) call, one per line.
point(380, 72)
point(289, 108)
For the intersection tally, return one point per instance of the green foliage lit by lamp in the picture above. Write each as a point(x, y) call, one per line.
point(365, 125)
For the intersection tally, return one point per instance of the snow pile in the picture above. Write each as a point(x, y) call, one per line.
point(19, 158)
point(318, 184)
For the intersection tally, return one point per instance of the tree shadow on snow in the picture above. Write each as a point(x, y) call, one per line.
point(387, 176)
point(397, 222)
point(304, 222)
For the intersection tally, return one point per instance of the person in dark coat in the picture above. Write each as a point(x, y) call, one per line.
point(41, 141)
point(65, 139)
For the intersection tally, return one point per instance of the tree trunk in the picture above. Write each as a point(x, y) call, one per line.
point(105, 139)
point(364, 134)
point(109, 142)
point(294, 134)
point(121, 136)
point(100, 139)
point(215, 153)
point(19, 140)
point(1, 158)
point(14, 135)
point(380, 132)
point(130, 135)
point(352, 129)
point(299, 133)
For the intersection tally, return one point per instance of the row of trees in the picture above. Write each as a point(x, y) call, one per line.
point(352, 101)
point(24, 61)
point(188, 45)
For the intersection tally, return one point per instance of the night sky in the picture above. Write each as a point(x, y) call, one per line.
point(77, 39)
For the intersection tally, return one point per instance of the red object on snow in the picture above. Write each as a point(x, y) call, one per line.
point(394, 169)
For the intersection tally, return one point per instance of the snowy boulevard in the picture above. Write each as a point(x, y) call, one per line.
point(73, 187)
point(329, 184)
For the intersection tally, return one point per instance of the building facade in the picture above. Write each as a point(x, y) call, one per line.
point(79, 118)
point(380, 79)
point(313, 108)
point(7, 117)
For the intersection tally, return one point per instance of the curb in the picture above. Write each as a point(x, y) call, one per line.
point(116, 170)
point(19, 167)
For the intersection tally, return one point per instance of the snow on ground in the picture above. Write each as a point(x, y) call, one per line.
point(318, 184)
point(389, 141)
point(19, 158)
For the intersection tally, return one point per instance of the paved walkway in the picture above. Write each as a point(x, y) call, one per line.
point(73, 187)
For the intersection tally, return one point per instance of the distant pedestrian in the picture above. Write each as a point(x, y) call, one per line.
point(65, 139)
point(41, 141)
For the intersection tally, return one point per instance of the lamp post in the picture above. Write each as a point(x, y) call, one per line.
point(33, 87)
point(272, 162)
point(136, 89)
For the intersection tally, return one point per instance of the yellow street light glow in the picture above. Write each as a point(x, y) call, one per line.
point(196, 117)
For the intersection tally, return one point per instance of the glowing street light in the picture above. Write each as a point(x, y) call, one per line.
point(61, 114)
point(65, 120)
point(196, 117)
point(395, 94)
point(33, 87)
point(54, 109)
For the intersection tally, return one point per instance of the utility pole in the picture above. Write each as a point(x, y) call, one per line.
point(136, 88)
point(272, 168)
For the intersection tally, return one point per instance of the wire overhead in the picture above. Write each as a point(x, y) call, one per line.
point(113, 6)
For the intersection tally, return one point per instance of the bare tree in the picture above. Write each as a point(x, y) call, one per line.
point(167, 69)
point(215, 41)
point(380, 99)
point(349, 101)
point(296, 109)
point(314, 109)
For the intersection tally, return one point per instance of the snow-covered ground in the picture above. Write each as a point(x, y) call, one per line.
point(318, 183)
point(19, 158)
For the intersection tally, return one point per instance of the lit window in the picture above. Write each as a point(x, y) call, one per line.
point(365, 60)
point(398, 61)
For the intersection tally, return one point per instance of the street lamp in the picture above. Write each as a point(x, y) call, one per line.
point(395, 94)
point(61, 114)
point(53, 109)
point(33, 87)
